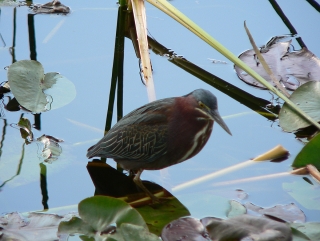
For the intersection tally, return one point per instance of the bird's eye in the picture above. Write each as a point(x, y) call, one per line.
point(201, 104)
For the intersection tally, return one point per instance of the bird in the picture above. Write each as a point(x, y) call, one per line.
point(160, 134)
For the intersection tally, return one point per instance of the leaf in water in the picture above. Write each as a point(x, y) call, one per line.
point(186, 229)
point(33, 226)
point(309, 154)
point(61, 90)
point(288, 213)
point(307, 97)
point(25, 79)
point(101, 211)
point(134, 232)
point(249, 228)
point(98, 213)
point(51, 7)
point(312, 230)
point(30, 86)
point(158, 215)
point(49, 148)
point(304, 193)
point(293, 68)
point(236, 209)
point(25, 129)
point(75, 225)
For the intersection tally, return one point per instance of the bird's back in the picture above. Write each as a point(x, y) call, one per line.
point(140, 136)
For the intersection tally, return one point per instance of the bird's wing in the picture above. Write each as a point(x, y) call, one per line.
point(139, 136)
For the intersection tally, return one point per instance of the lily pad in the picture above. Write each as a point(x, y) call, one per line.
point(307, 195)
point(25, 78)
point(99, 214)
point(186, 229)
point(292, 68)
point(312, 229)
point(309, 154)
point(246, 227)
point(51, 7)
point(31, 226)
point(307, 97)
point(31, 87)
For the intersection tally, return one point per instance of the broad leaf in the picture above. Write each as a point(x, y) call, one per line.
point(248, 228)
point(307, 97)
point(134, 232)
point(32, 226)
point(102, 211)
point(307, 195)
point(25, 78)
point(309, 154)
point(186, 229)
point(157, 216)
point(292, 68)
point(311, 230)
point(34, 90)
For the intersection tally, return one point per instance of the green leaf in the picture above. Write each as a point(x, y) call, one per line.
point(25, 79)
point(158, 215)
point(75, 225)
point(307, 97)
point(311, 230)
point(304, 193)
point(31, 87)
point(61, 90)
point(309, 154)
point(246, 226)
point(102, 211)
point(236, 209)
point(134, 232)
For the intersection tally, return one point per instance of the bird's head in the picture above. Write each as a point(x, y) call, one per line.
point(207, 104)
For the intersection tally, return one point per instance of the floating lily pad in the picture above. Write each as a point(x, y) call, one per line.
point(307, 97)
point(312, 230)
point(31, 87)
point(304, 193)
point(186, 229)
point(291, 68)
point(51, 7)
point(30, 226)
point(99, 214)
point(309, 154)
point(246, 227)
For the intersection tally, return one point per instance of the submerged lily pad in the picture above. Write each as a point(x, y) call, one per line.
point(31, 87)
point(291, 68)
point(307, 97)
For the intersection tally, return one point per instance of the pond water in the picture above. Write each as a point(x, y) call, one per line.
point(80, 46)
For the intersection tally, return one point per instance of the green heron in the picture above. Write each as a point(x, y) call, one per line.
point(160, 134)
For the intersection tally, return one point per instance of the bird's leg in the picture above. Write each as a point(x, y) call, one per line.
point(139, 183)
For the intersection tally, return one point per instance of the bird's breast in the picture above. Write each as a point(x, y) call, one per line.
point(199, 140)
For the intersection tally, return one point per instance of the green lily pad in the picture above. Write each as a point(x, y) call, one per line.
point(135, 232)
point(304, 193)
point(307, 97)
point(246, 227)
point(311, 230)
point(99, 214)
point(101, 211)
point(159, 215)
point(309, 154)
point(25, 79)
point(31, 87)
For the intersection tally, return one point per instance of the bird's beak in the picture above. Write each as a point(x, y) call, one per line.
point(216, 117)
